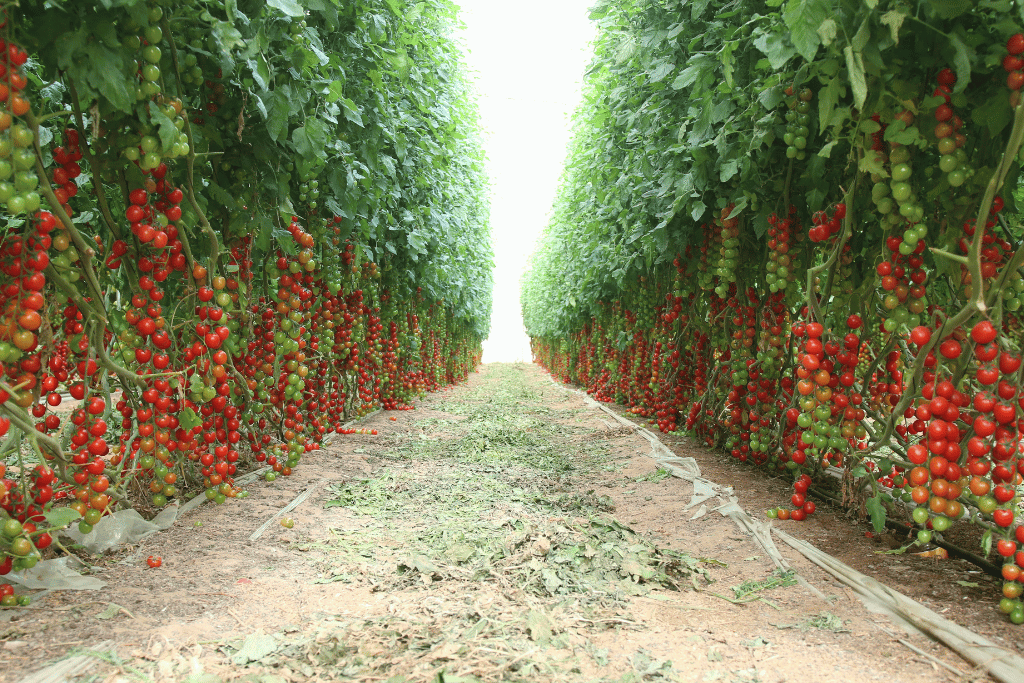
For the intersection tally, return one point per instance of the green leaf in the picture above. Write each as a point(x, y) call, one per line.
point(335, 91)
point(288, 7)
point(107, 74)
point(226, 38)
point(728, 169)
point(260, 71)
point(994, 113)
point(826, 151)
point(827, 31)
point(858, 80)
point(727, 63)
point(112, 610)
point(869, 126)
point(761, 225)
point(255, 647)
point(59, 518)
point(661, 71)
point(187, 417)
point(166, 129)
point(774, 46)
point(416, 242)
point(876, 510)
point(351, 111)
point(898, 132)
point(804, 17)
point(894, 20)
point(962, 57)
point(300, 138)
point(698, 210)
point(687, 76)
point(828, 97)
point(948, 9)
point(738, 207)
point(278, 109)
point(860, 38)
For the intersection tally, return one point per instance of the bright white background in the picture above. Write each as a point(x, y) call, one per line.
point(527, 59)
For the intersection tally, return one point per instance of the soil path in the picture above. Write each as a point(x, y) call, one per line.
point(503, 531)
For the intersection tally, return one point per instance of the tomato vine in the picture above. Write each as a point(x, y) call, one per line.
point(791, 227)
point(230, 227)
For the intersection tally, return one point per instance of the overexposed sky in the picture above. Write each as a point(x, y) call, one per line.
point(527, 59)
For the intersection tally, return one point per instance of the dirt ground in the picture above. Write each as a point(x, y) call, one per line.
point(502, 531)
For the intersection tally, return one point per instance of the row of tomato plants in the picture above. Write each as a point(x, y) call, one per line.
point(821, 269)
point(202, 245)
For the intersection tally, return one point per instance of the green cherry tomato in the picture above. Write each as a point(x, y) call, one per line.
point(12, 528)
point(24, 159)
point(21, 136)
point(16, 204)
point(901, 172)
point(900, 191)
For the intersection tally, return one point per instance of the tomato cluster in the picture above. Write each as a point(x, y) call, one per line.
point(199, 351)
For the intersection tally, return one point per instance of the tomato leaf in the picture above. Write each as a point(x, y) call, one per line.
point(948, 9)
point(986, 543)
point(804, 18)
point(165, 126)
point(59, 518)
point(106, 73)
point(775, 47)
point(288, 7)
point(876, 509)
point(661, 71)
point(828, 97)
point(894, 20)
point(351, 111)
point(826, 150)
point(827, 31)
point(279, 108)
point(698, 210)
point(260, 71)
point(994, 113)
point(963, 55)
point(189, 419)
point(858, 81)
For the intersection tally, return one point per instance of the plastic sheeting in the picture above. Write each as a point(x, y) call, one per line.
point(122, 527)
point(57, 574)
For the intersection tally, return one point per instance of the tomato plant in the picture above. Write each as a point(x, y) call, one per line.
point(793, 231)
point(229, 229)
